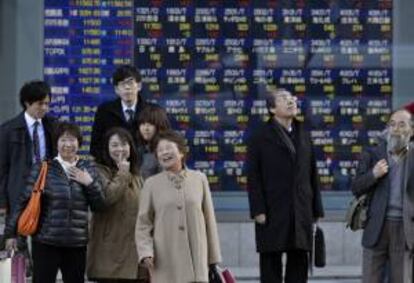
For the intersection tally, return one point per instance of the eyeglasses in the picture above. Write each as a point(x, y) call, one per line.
point(130, 82)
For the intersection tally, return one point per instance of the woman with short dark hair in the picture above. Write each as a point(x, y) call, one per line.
point(72, 187)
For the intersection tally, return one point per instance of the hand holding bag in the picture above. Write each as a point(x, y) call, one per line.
point(357, 214)
point(29, 219)
point(220, 275)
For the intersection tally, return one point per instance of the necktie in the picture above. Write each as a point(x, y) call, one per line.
point(130, 115)
point(36, 144)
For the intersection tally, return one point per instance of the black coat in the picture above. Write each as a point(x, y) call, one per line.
point(64, 206)
point(16, 156)
point(282, 183)
point(109, 115)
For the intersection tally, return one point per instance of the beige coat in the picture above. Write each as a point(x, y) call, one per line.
point(111, 250)
point(176, 226)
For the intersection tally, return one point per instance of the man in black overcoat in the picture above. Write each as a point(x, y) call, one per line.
point(121, 112)
point(283, 191)
point(25, 140)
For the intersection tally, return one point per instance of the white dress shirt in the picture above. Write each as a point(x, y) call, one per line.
point(41, 133)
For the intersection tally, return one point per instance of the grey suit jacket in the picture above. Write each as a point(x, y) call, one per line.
point(365, 182)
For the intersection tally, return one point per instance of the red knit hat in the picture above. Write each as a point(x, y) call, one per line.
point(410, 107)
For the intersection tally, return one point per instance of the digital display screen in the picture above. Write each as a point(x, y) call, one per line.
point(209, 64)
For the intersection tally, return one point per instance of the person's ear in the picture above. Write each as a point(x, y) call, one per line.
point(272, 110)
point(139, 86)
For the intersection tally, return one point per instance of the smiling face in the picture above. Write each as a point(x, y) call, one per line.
point(147, 131)
point(128, 90)
point(68, 146)
point(169, 156)
point(118, 150)
point(38, 109)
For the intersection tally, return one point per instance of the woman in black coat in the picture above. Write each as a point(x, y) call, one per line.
point(72, 186)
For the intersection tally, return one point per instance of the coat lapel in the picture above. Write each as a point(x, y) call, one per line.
point(282, 136)
point(117, 109)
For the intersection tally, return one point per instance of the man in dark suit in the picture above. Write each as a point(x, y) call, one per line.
point(121, 112)
point(283, 191)
point(385, 173)
point(24, 140)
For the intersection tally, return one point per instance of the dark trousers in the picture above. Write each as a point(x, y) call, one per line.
point(47, 260)
point(389, 249)
point(271, 267)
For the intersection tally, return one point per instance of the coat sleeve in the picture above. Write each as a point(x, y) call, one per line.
point(98, 130)
point(114, 186)
point(364, 180)
point(254, 180)
point(4, 167)
point(317, 199)
point(213, 243)
point(93, 192)
point(145, 224)
point(10, 230)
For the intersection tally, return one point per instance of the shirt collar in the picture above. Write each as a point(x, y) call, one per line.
point(126, 107)
point(66, 165)
point(30, 120)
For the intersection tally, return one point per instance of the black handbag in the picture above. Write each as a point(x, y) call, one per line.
point(319, 248)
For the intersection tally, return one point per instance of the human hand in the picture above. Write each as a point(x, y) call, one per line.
point(380, 169)
point(148, 263)
point(81, 176)
point(260, 218)
point(122, 163)
point(11, 244)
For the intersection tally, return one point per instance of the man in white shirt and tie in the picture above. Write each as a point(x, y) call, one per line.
point(24, 140)
point(120, 112)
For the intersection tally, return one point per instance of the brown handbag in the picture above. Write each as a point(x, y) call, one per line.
point(29, 219)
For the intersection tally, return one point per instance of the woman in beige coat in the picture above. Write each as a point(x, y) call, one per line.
point(176, 231)
point(112, 255)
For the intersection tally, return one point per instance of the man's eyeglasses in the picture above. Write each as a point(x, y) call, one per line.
point(126, 83)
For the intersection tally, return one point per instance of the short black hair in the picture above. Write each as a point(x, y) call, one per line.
point(123, 72)
point(175, 137)
point(68, 128)
point(105, 159)
point(33, 91)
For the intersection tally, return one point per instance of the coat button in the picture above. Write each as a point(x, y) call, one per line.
point(181, 228)
point(179, 207)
